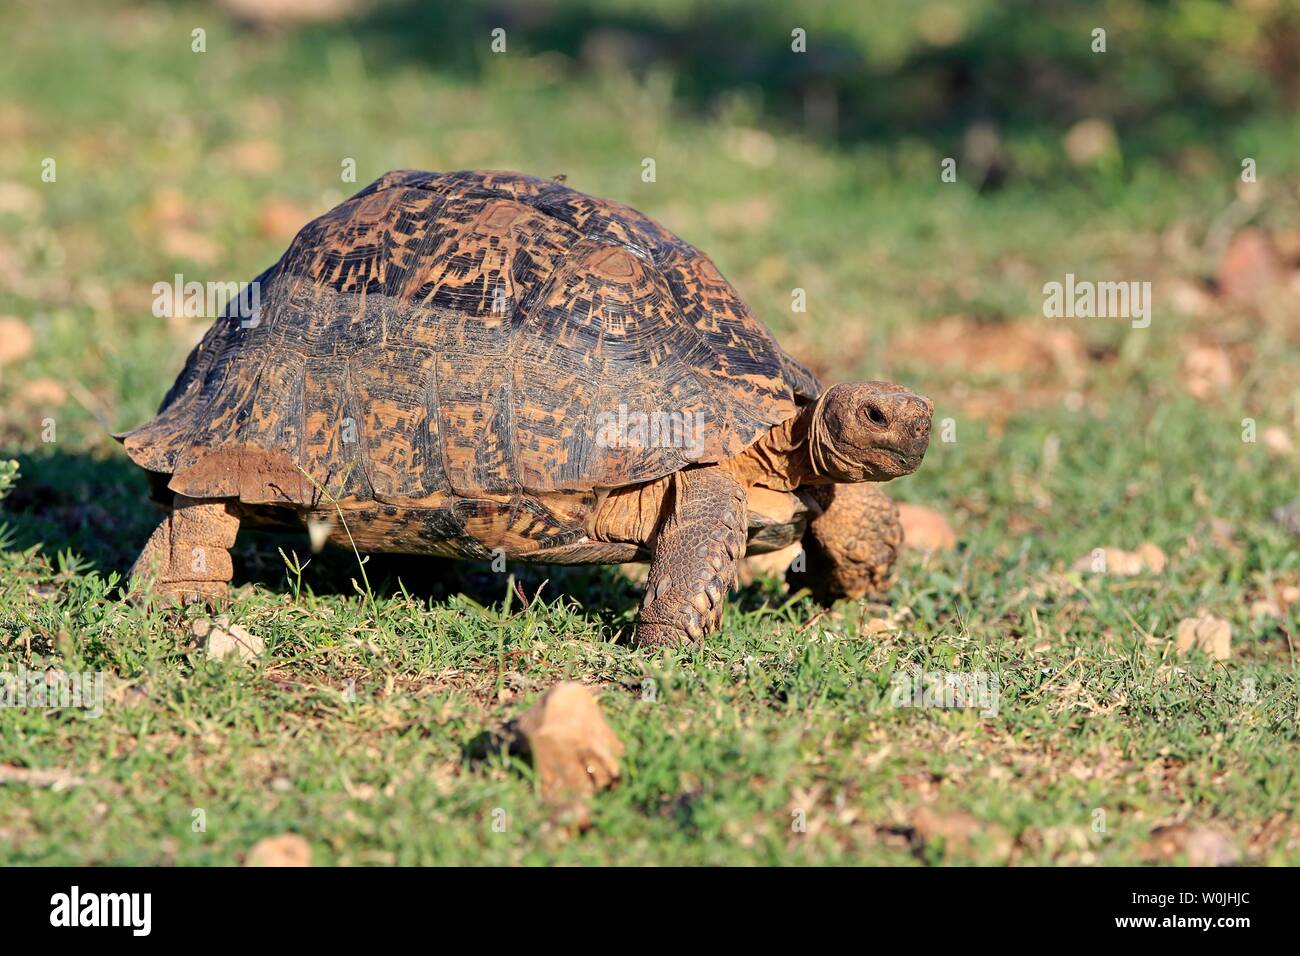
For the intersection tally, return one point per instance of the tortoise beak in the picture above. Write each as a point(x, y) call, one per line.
point(915, 413)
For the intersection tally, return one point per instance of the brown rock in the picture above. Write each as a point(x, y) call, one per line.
point(1250, 265)
point(926, 529)
point(43, 392)
point(1212, 634)
point(287, 849)
point(1206, 847)
point(1117, 562)
point(21, 200)
point(222, 639)
point(1089, 141)
point(574, 751)
point(958, 830)
point(1206, 372)
point(281, 219)
point(1029, 347)
point(1278, 441)
point(182, 243)
point(16, 340)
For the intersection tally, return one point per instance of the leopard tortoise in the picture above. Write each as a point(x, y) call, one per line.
point(484, 364)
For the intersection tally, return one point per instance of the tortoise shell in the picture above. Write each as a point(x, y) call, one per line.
point(457, 335)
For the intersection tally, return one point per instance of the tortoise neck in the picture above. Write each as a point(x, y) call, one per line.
point(781, 459)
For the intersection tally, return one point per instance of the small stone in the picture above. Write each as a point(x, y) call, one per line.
point(43, 393)
point(1278, 441)
point(1117, 562)
point(287, 849)
point(958, 831)
point(574, 750)
point(1206, 847)
point(1090, 141)
point(1206, 372)
point(1211, 634)
point(926, 529)
point(16, 340)
point(1250, 264)
point(1152, 557)
point(281, 219)
point(221, 639)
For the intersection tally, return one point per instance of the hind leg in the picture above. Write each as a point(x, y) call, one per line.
point(187, 558)
point(850, 547)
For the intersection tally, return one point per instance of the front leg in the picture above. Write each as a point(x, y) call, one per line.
point(850, 547)
point(697, 551)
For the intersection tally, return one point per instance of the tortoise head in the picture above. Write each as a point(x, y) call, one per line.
point(868, 431)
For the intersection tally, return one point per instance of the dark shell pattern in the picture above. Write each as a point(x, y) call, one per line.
point(457, 336)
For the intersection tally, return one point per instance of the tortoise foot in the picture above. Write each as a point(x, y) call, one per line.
point(697, 554)
point(187, 558)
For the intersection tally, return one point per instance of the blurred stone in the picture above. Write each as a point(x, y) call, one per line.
point(282, 13)
point(1287, 244)
point(1206, 847)
point(1211, 634)
point(1117, 562)
point(181, 243)
point(16, 340)
point(1277, 440)
point(957, 831)
point(1029, 347)
point(20, 200)
point(281, 219)
point(574, 751)
point(1089, 141)
point(287, 849)
point(1259, 610)
point(1206, 372)
point(941, 24)
point(43, 392)
point(1250, 265)
point(1190, 298)
point(743, 216)
point(925, 529)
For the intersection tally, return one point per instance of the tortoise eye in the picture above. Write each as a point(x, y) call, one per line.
point(872, 412)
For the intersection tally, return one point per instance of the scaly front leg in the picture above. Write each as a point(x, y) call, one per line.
point(697, 550)
point(850, 547)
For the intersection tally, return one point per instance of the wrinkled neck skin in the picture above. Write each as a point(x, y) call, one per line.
point(790, 455)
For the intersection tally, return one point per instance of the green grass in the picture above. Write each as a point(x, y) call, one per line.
point(356, 728)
